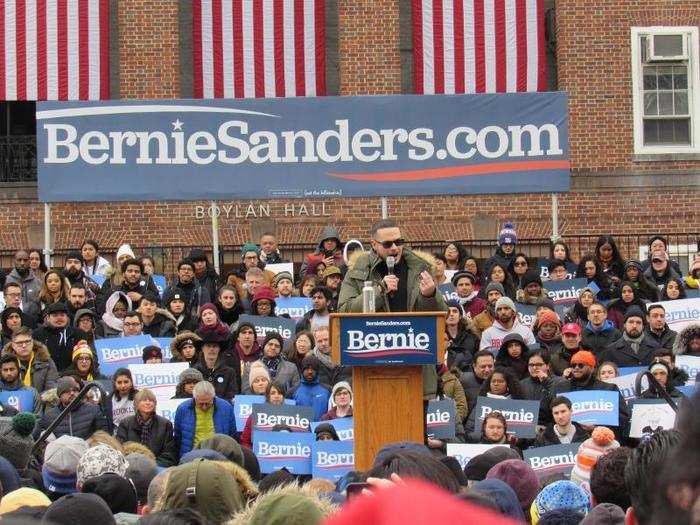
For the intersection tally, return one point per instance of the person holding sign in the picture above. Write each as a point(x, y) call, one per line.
point(562, 430)
point(501, 384)
point(662, 374)
point(494, 430)
point(11, 382)
point(274, 395)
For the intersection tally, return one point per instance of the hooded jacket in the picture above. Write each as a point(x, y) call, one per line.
point(517, 366)
point(493, 336)
point(685, 336)
point(162, 325)
point(30, 284)
point(312, 394)
point(110, 325)
point(44, 373)
point(599, 340)
point(60, 342)
point(179, 338)
point(328, 232)
point(185, 422)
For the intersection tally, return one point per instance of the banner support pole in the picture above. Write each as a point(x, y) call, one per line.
point(555, 217)
point(47, 235)
point(215, 234)
point(385, 208)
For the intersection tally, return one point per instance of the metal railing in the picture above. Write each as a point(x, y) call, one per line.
point(18, 158)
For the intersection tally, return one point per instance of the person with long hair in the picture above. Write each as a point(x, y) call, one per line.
point(84, 366)
point(455, 254)
point(227, 305)
point(301, 345)
point(578, 312)
point(559, 250)
point(472, 266)
point(608, 256)
point(462, 344)
point(518, 268)
point(498, 273)
point(634, 274)
point(500, 384)
point(627, 295)
point(211, 328)
point(120, 403)
point(590, 269)
point(673, 289)
point(308, 283)
point(54, 290)
point(274, 395)
point(494, 429)
point(93, 262)
point(37, 264)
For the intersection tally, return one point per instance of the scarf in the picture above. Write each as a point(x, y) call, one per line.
point(28, 375)
point(468, 298)
point(272, 363)
point(220, 330)
point(248, 358)
point(634, 342)
point(229, 316)
point(145, 428)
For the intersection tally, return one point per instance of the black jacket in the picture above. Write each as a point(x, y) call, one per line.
point(223, 378)
point(161, 326)
point(82, 421)
point(60, 343)
point(195, 295)
point(621, 353)
point(665, 339)
point(599, 341)
point(549, 437)
point(461, 350)
point(209, 281)
point(161, 441)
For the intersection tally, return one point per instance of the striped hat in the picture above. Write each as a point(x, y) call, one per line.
point(601, 442)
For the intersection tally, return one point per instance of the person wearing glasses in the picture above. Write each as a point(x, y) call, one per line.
point(36, 368)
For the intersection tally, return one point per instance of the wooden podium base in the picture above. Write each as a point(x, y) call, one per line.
point(387, 407)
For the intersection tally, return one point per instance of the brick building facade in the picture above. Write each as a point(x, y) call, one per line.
point(613, 190)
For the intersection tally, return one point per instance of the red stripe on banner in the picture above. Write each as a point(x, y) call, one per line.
point(104, 49)
point(541, 57)
point(479, 51)
point(438, 48)
point(320, 30)
point(418, 46)
point(217, 48)
point(2, 51)
point(258, 49)
point(521, 44)
point(500, 31)
point(83, 51)
point(278, 18)
point(458, 10)
point(41, 73)
point(21, 48)
point(197, 47)
point(299, 70)
point(238, 87)
point(62, 16)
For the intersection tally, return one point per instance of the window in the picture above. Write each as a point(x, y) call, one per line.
point(665, 90)
point(17, 141)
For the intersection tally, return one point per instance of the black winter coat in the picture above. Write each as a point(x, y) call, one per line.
point(82, 422)
point(60, 343)
point(161, 441)
point(621, 353)
point(549, 437)
point(223, 378)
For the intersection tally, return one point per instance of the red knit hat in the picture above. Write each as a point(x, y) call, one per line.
point(264, 292)
point(583, 357)
point(547, 316)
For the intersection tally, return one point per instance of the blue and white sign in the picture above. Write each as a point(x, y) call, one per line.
point(627, 370)
point(448, 291)
point(264, 325)
point(343, 426)
point(553, 459)
point(266, 416)
point(164, 344)
point(625, 384)
point(167, 407)
point(690, 364)
point(161, 378)
point(565, 292)
point(543, 265)
point(302, 147)
point(388, 340)
point(520, 415)
point(332, 459)
point(290, 450)
point(595, 407)
point(243, 407)
point(118, 352)
point(294, 307)
point(20, 400)
point(160, 282)
point(464, 452)
point(441, 418)
point(681, 312)
point(527, 314)
point(98, 279)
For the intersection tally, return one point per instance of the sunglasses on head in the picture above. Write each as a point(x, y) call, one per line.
point(388, 244)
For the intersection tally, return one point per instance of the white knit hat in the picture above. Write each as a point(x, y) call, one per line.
point(125, 249)
point(257, 369)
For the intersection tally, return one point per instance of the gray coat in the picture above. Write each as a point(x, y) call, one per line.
point(44, 373)
point(82, 422)
point(287, 374)
point(31, 285)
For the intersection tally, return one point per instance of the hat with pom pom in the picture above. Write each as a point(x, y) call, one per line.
point(16, 441)
point(601, 442)
point(507, 234)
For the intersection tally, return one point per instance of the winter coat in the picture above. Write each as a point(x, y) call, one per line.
point(223, 378)
point(475, 306)
point(195, 295)
point(549, 437)
point(561, 360)
point(60, 343)
point(452, 388)
point(175, 353)
point(82, 421)
point(471, 386)
point(312, 394)
point(481, 322)
point(517, 366)
point(661, 280)
point(499, 257)
point(162, 325)
point(523, 298)
point(599, 340)
point(329, 232)
point(620, 352)
point(541, 391)
point(146, 284)
point(161, 441)
point(185, 423)
point(44, 373)
point(682, 344)
point(461, 349)
point(665, 339)
point(101, 266)
point(287, 374)
point(209, 281)
point(493, 336)
point(30, 284)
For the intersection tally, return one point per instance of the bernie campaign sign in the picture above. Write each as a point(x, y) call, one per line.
point(595, 407)
point(161, 378)
point(464, 452)
point(343, 426)
point(690, 364)
point(543, 266)
point(625, 384)
point(167, 407)
point(164, 344)
point(266, 416)
point(447, 289)
point(289, 450)
point(565, 292)
point(243, 407)
point(440, 419)
point(119, 352)
point(20, 400)
point(294, 307)
point(521, 415)
point(388, 340)
point(332, 459)
point(681, 312)
point(265, 324)
point(553, 459)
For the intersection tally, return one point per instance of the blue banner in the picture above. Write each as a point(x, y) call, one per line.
point(263, 325)
point(243, 407)
point(627, 370)
point(441, 418)
point(520, 415)
point(527, 313)
point(302, 147)
point(160, 282)
point(553, 459)
point(332, 459)
point(294, 307)
point(344, 426)
point(99, 279)
point(543, 266)
point(266, 416)
point(448, 291)
point(290, 450)
point(388, 340)
point(164, 344)
point(565, 292)
point(118, 352)
point(21, 400)
point(595, 407)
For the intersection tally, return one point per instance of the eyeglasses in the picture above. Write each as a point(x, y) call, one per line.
point(535, 365)
point(521, 263)
point(388, 244)
point(85, 359)
point(578, 365)
point(26, 342)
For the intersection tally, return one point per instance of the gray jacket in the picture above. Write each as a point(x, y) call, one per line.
point(31, 285)
point(287, 374)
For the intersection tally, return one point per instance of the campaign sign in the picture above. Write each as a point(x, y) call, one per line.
point(98, 279)
point(652, 413)
point(161, 379)
point(543, 265)
point(167, 407)
point(440, 419)
point(160, 282)
point(689, 363)
point(527, 313)
point(687, 390)
point(565, 292)
point(164, 344)
point(692, 293)
point(464, 452)
point(243, 407)
point(264, 325)
point(681, 312)
point(447, 289)
point(266, 416)
point(625, 384)
point(21, 400)
point(290, 450)
point(389, 340)
point(118, 352)
point(343, 426)
point(553, 459)
point(332, 459)
point(595, 407)
point(627, 370)
point(520, 415)
point(281, 267)
point(294, 307)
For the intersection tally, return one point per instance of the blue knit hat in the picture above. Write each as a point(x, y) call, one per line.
point(507, 234)
point(562, 494)
point(250, 247)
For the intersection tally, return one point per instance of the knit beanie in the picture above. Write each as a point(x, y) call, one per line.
point(548, 316)
point(16, 442)
point(250, 247)
point(99, 460)
point(602, 440)
point(493, 285)
point(117, 491)
point(507, 234)
point(125, 249)
point(81, 348)
point(479, 466)
point(61, 459)
point(257, 369)
point(23, 497)
point(283, 275)
point(530, 277)
point(505, 301)
point(634, 311)
point(562, 494)
point(191, 375)
point(519, 476)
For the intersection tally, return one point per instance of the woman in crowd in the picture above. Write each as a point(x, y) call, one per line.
point(227, 305)
point(501, 384)
point(472, 266)
point(302, 343)
point(55, 289)
point(608, 256)
point(499, 273)
point(210, 326)
point(181, 311)
point(692, 280)
point(185, 386)
point(673, 289)
point(661, 372)
point(607, 370)
point(279, 369)
point(462, 344)
point(186, 347)
point(93, 262)
point(518, 268)
point(578, 312)
point(634, 274)
point(627, 296)
point(112, 322)
point(150, 429)
point(120, 404)
point(149, 265)
point(84, 366)
point(559, 250)
point(85, 319)
point(590, 269)
point(37, 264)
point(274, 395)
point(513, 355)
point(308, 283)
point(341, 402)
point(455, 255)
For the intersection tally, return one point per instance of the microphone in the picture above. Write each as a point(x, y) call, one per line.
point(390, 263)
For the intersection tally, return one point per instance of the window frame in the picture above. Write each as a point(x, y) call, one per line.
point(691, 34)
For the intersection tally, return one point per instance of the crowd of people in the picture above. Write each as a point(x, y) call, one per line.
point(75, 458)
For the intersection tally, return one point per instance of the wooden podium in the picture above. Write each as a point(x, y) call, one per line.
point(387, 382)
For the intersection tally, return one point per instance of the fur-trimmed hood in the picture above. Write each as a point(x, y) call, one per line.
point(166, 313)
point(179, 338)
point(308, 505)
point(680, 346)
point(357, 254)
point(40, 350)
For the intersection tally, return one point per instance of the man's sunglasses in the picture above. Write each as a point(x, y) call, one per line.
point(578, 365)
point(388, 244)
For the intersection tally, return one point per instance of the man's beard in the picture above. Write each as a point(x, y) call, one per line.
point(23, 272)
point(72, 272)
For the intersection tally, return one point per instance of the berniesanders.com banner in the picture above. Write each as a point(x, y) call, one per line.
point(302, 147)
